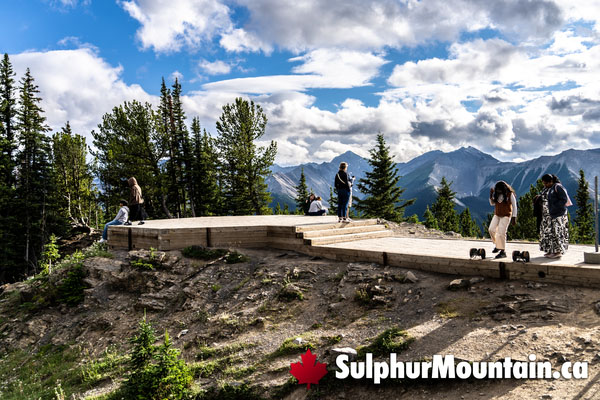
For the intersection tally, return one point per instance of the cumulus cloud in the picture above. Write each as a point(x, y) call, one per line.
point(76, 85)
point(170, 25)
point(215, 68)
point(352, 24)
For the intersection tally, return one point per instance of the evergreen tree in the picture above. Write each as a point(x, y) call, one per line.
point(286, 209)
point(129, 143)
point(34, 173)
point(584, 215)
point(73, 175)
point(244, 166)
point(278, 210)
point(302, 195)
point(380, 187)
point(7, 125)
point(182, 157)
point(205, 192)
point(333, 200)
point(9, 224)
point(413, 219)
point(526, 226)
point(429, 219)
point(468, 225)
point(443, 208)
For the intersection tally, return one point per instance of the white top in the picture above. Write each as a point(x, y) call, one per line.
point(513, 201)
point(315, 206)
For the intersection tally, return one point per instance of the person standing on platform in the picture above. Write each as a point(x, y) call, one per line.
point(343, 186)
point(136, 202)
point(503, 198)
point(554, 230)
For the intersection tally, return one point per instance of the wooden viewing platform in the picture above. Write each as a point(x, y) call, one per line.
point(359, 241)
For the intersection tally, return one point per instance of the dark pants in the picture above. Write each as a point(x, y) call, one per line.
point(137, 212)
point(343, 199)
point(320, 212)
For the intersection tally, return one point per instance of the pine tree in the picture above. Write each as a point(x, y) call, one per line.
point(34, 172)
point(7, 124)
point(182, 146)
point(333, 200)
point(244, 166)
point(302, 195)
point(9, 225)
point(129, 142)
point(73, 175)
point(206, 195)
point(584, 215)
point(380, 187)
point(443, 208)
point(468, 225)
point(429, 219)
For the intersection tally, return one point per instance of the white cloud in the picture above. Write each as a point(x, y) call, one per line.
point(170, 25)
point(76, 86)
point(215, 68)
point(176, 75)
point(320, 69)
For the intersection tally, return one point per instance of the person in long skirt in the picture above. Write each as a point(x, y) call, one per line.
point(554, 229)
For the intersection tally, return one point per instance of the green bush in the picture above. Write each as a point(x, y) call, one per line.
point(393, 340)
point(203, 253)
point(71, 289)
point(157, 372)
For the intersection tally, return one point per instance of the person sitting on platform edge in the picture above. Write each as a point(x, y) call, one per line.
point(120, 219)
point(307, 203)
point(503, 198)
point(316, 207)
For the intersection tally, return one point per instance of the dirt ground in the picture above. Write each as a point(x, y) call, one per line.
point(249, 309)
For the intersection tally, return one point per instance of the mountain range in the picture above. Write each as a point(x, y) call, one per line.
point(471, 172)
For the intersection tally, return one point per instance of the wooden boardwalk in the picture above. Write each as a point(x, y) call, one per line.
point(359, 241)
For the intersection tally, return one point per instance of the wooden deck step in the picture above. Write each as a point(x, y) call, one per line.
point(335, 225)
point(348, 238)
point(341, 231)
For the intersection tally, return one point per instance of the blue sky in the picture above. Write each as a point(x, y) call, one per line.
point(513, 78)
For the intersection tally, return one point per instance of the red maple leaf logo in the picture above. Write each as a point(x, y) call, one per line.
point(309, 371)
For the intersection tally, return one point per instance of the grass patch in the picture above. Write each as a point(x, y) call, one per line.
point(71, 289)
point(203, 253)
point(141, 264)
point(331, 340)
point(362, 297)
point(239, 372)
point(110, 365)
point(98, 250)
point(393, 340)
point(241, 284)
point(215, 288)
point(228, 391)
point(234, 257)
point(26, 375)
point(288, 347)
point(459, 307)
point(206, 352)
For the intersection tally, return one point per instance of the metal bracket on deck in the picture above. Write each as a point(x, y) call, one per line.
point(503, 271)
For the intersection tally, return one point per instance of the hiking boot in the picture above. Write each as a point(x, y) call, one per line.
point(141, 223)
point(127, 223)
point(495, 250)
point(102, 241)
point(501, 254)
point(347, 220)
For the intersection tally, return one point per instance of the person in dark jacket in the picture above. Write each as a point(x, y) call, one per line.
point(503, 198)
point(136, 202)
point(343, 185)
point(554, 229)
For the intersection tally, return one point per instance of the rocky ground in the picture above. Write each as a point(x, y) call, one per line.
point(242, 324)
